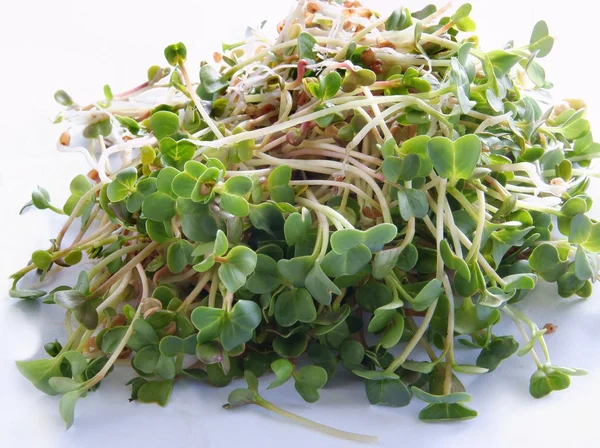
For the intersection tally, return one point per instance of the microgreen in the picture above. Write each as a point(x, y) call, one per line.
point(335, 199)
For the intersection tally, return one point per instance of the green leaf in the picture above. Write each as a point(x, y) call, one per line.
point(155, 392)
point(295, 305)
point(540, 41)
point(210, 80)
point(396, 169)
point(412, 203)
point(586, 264)
point(112, 338)
point(210, 353)
point(320, 286)
point(580, 229)
point(63, 98)
point(159, 207)
point(42, 259)
point(496, 351)
point(164, 124)
point(351, 354)
point(62, 385)
point(267, 217)
point(174, 153)
point(399, 20)
point(159, 232)
point(265, 277)
point(309, 380)
point(393, 332)
point(547, 380)
point(296, 227)
point(389, 392)
point(143, 188)
point(373, 295)
point(296, 269)
point(278, 184)
point(470, 318)
point(66, 406)
point(179, 255)
point(146, 360)
point(330, 85)
point(350, 263)
point(239, 264)
point(239, 397)
point(375, 375)
point(39, 372)
point(546, 261)
point(244, 317)
point(323, 357)
point(128, 123)
point(439, 412)
point(290, 347)
point(306, 43)
point(453, 398)
point(102, 127)
point(374, 238)
point(175, 54)
point(454, 160)
point(283, 370)
point(520, 281)
point(209, 321)
point(197, 223)
point(429, 294)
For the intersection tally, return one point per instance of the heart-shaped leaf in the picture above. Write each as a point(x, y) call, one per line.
point(547, 380)
point(439, 412)
point(389, 392)
point(244, 317)
point(294, 305)
point(239, 264)
point(309, 380)
point(319, 285)
point(454, 160)
point(283, 370)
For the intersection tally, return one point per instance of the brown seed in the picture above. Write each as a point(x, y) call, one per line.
point(347, 26)
point(125, 353)
point(280, 26)
point(550, 328)
point(91, 344)
point(367, 56)
point(313, 7)
point(359, 28)
point(93, 174)
point(118, 320)
point(381, 42)
point(65, 138)
point(364, 12)
point(377, 66)
point(217, 57)
point(371, 213)
point(252, 110)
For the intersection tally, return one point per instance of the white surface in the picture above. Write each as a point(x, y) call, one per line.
point(80, 46)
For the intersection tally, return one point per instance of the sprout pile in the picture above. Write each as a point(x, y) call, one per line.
point(365, 192)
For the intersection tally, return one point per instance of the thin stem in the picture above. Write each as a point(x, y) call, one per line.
point(414, 340)
point(314, 425)
point(214, 288)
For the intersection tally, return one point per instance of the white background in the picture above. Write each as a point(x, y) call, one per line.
point(80, 46)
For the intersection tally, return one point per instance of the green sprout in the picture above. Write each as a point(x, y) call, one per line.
point(332, 201)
